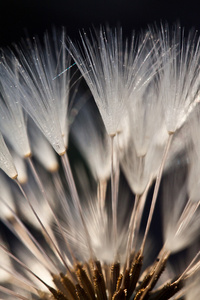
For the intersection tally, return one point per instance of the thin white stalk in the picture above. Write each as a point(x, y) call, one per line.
point(131, 230)
point(132, 223)
point(11, 293)
point(63, 199)
point(37, 247)
point(188, 268)
point(193, 270)
point(75, 197)
point(41, 187)
point(163, 255)
point(101, 194)
point(156, 188)
point(184, 290)
point(37, 178)
point(23, 265)
point(139, 213)
point(114, 195)
point(20, 278)
point(59, 189)
point(42, 225)
point(187, 215)
point(186, 210)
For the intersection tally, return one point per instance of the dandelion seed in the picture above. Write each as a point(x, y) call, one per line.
point(46, 101)
point(112, 71)
point(179, 90)
point(12, 122)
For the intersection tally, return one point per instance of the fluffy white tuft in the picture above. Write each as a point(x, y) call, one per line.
point(6, 161)
point(45, 97)
point(181, 220)
point(12, 122)
point(113, 68)
point(179, 75)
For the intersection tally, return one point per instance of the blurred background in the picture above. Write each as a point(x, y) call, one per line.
point(35, 16)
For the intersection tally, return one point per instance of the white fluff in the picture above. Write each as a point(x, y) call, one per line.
point(6, 161)
point(91, 138)
point(42, 149)
point(43, 97)
point(112, 70)
point(141, 101)
point(146, 118)
point(179, 75)
point(12, 123)
point(179, 231)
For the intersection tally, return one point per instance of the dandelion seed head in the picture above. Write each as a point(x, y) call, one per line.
point(78, 228)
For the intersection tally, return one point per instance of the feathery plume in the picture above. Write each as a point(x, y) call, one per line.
point(45, 99)
point(73, 236)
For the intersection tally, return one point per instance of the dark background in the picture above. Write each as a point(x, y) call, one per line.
point(18, 16)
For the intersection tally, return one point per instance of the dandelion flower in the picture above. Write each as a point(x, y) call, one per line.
point(69, 236)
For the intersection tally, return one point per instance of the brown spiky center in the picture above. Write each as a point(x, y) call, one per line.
point(97, 281)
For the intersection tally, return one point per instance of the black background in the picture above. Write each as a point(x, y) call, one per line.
point(19, 16)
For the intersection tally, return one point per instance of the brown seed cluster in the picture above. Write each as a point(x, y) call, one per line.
point(96, 281)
